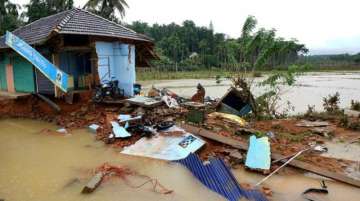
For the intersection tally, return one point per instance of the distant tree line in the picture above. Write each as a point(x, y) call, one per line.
point(336, 61)
point(191, 46)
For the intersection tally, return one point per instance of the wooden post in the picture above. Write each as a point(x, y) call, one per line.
point(56, 61)
point(10, 78)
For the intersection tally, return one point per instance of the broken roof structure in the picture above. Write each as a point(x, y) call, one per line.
point(87, 47)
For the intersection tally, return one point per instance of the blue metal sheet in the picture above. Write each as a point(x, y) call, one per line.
point(258, 155)
point(245, 110)
point(55, 75)
point(217, 176)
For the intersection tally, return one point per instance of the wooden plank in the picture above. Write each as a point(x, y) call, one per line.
point(295, 163)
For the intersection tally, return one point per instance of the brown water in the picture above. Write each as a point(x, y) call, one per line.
point(308, 90)
point(43, 167)
point(40, 167)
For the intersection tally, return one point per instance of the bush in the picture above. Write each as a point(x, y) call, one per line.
point(355, 105)
point(257, 74)
point(331, 103)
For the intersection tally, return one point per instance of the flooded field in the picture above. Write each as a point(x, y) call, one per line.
point(38, 166)
point(308, 90)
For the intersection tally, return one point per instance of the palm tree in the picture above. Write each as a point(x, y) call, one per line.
point(107, 8)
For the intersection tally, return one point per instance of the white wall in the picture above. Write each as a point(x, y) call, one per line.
point(119, 59)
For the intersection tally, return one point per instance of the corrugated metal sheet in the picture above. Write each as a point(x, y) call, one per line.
point(44, 85)
point(217, 176)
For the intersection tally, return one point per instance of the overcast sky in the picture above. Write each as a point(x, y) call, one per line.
point(325, 26)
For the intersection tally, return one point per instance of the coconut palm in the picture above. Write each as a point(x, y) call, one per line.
point(107, 8)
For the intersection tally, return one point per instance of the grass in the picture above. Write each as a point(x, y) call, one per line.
point(298, 137)
point(167, 75)
point(155, 74)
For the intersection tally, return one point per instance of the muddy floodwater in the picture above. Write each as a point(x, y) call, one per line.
point(37, 166)
point(309, 89)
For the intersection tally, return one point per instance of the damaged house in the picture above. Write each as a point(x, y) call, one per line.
point(87, 47)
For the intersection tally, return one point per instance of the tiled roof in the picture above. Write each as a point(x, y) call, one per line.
point(74, 21)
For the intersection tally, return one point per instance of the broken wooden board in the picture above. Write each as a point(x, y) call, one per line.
point(93, 183)
point(295, 163)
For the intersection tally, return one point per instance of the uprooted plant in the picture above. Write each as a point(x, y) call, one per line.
point(268, 104)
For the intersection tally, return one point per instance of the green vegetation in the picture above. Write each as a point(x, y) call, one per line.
point(107, 8)
point(355, 105)
point(189, 47)
point(332, 62)
point(331, 103)
point(37, 9)
point(293, 137)
point(12, 18)
point(9, 16)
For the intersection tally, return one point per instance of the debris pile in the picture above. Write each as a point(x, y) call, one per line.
point(166, 126)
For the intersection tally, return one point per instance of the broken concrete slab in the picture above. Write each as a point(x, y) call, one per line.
point(323, 131)
point(144, 101)
point(306, 123)
point(93, 183)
